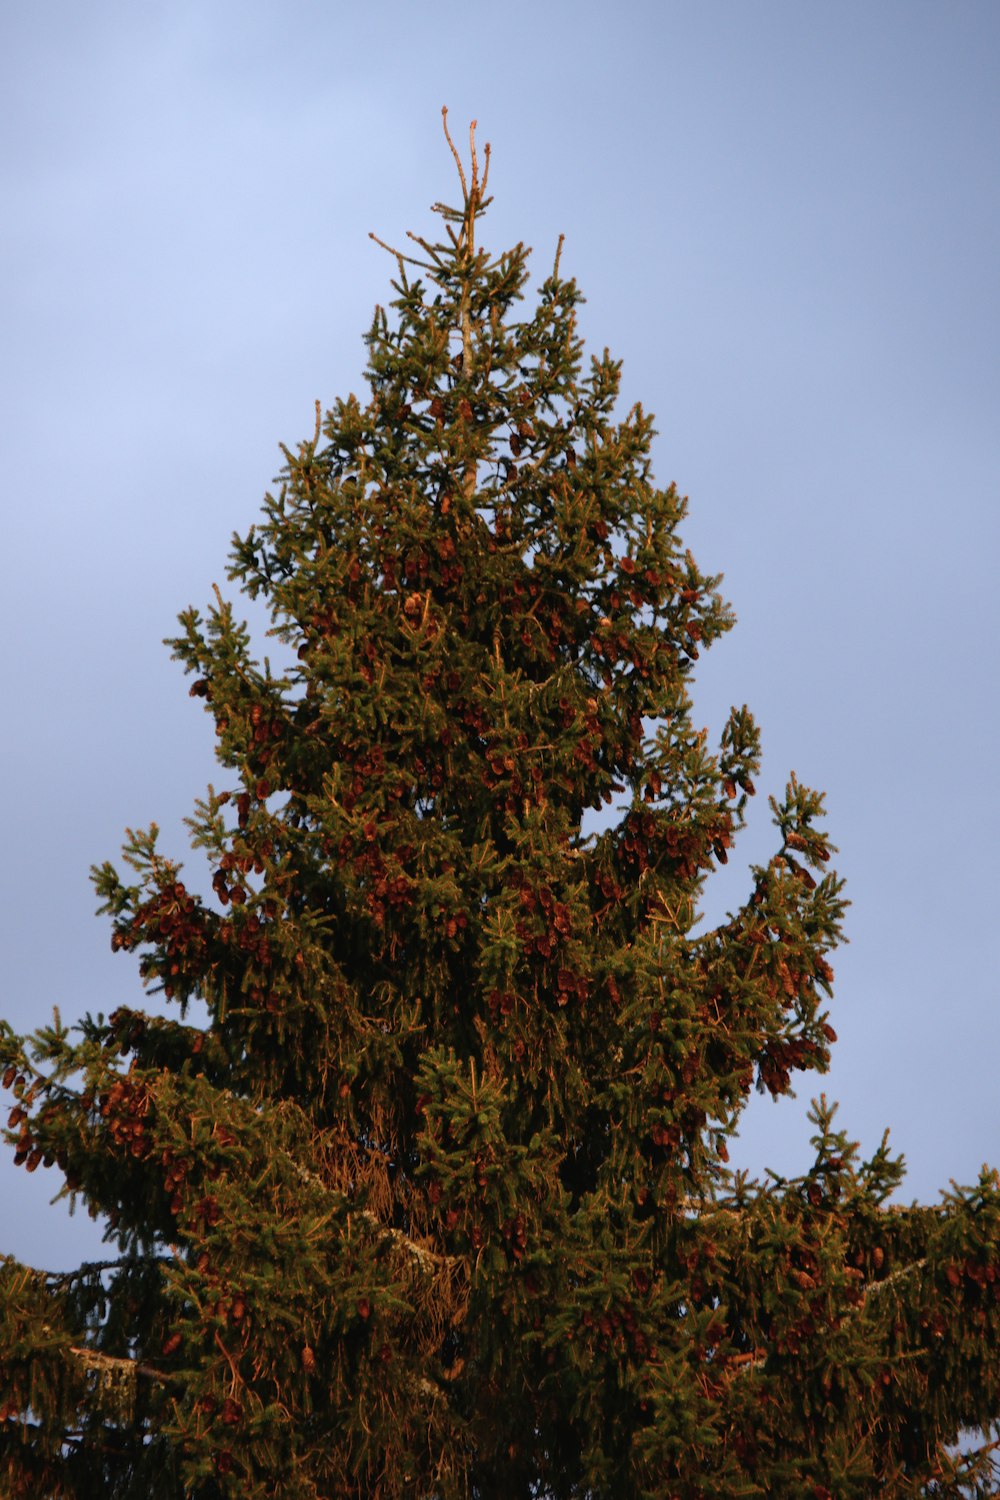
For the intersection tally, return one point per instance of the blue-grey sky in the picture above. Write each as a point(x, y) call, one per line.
point(786, 220)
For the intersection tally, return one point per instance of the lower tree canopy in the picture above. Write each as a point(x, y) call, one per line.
point(435, 1201)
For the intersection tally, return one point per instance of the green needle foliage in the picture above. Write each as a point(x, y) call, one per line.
point(436, 1203)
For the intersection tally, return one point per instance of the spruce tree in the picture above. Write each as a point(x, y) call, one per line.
point(435, 1203)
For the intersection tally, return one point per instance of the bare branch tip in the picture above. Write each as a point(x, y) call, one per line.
point(458, 159)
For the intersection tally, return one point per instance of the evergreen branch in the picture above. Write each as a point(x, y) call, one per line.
point(875, 1288)
point(398, 254)
point(429, 1260)
point(432, 250)
point(93, 1359)
point(58, 1278)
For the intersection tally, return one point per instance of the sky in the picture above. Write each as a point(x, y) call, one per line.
point(786, 221)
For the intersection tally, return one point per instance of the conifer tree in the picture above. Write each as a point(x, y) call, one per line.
point(435, 1203)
